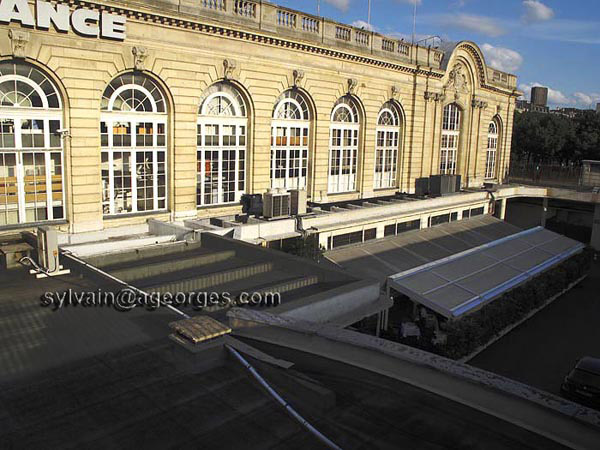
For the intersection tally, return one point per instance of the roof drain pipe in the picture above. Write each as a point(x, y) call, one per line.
point(104, 274)
point(324, 439)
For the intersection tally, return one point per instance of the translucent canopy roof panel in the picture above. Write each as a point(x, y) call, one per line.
point(382, 258)
point(459, 284)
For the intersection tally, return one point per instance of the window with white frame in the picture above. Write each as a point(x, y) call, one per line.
point(450, 139)
point(343, 146)
point(492, 149)
point(31, 147)
point(133, 136)
point(290, 132)
point(221, 139)
point(386, 149)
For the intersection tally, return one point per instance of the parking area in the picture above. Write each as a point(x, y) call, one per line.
point(541, 351)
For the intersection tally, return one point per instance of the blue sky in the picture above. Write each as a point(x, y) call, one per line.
point(553, 43)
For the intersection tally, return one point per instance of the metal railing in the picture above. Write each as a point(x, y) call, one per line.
point(568, 176)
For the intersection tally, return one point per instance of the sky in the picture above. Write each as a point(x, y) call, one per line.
point(552, 43)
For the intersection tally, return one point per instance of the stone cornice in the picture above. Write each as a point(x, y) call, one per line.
point(141, 14)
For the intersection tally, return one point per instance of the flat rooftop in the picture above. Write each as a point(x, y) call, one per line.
point(35, 338)
point(148, 396)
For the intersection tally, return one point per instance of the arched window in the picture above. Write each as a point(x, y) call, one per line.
point(450, 139)
point(343, 147)
point(386, 150)
point(492, 149)
point(290, 131)
point(221, 140)
point(31, 147)
point(133, 135)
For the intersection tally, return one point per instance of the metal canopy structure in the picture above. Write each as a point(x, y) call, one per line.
point(383, 258)
point(458, 284)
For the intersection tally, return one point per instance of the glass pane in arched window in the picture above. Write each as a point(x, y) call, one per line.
point(133, 137)
point(290, 131)
point(387, 147)
point(31, 157)
point(450, 139)
point(221, 145)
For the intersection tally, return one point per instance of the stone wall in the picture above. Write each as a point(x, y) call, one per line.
point(186, 48)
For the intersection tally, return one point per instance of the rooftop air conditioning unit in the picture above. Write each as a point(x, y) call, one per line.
point(444, 184)
point(276, 203)
point(299, 199)
point(48, 254)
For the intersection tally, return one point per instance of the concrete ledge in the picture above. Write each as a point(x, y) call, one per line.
point(561, 420)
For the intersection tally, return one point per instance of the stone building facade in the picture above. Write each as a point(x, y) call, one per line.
point(173, 109)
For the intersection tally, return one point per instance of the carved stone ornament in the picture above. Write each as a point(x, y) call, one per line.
point(352, 85)
point(457, 80)
point(229, 66)
point(434, 96)
point(395, 94)
point(19, 40)
point(139, 57)
point(298, 76)
point(479, 104)
point(498, 109)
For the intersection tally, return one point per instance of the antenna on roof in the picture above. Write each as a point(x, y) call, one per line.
point(369, 15)
point(318, 7)
point(414, 37)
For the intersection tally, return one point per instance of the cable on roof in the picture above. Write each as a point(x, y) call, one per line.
point(320, 436)
point(68, 254)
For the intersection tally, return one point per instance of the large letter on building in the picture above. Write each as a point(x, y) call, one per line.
point(16, 10)
point(46, 15)
point(113, 27)
point(85, 22)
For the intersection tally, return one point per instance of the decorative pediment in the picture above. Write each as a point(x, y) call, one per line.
point(229, 66)
point(19, 40)
point(298, 77)
point(140, 54)
point(458, 83)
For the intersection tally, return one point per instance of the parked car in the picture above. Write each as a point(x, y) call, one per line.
point(583, 382)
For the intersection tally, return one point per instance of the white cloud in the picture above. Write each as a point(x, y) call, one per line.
point(536, 11)
point(555, 97)
point(340, 4)
point(587, 100)
point(471, 22)
point(363, 24)
point(576, 31)
point(502, 58)
point(410, 2)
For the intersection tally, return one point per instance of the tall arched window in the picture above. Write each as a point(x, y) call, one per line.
point(289, 141)
point(221, 156)
point(450, 139)
point(343, 147)
point(386, 150)
point(133, 134)
point(492, 148)
point(31, 148)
